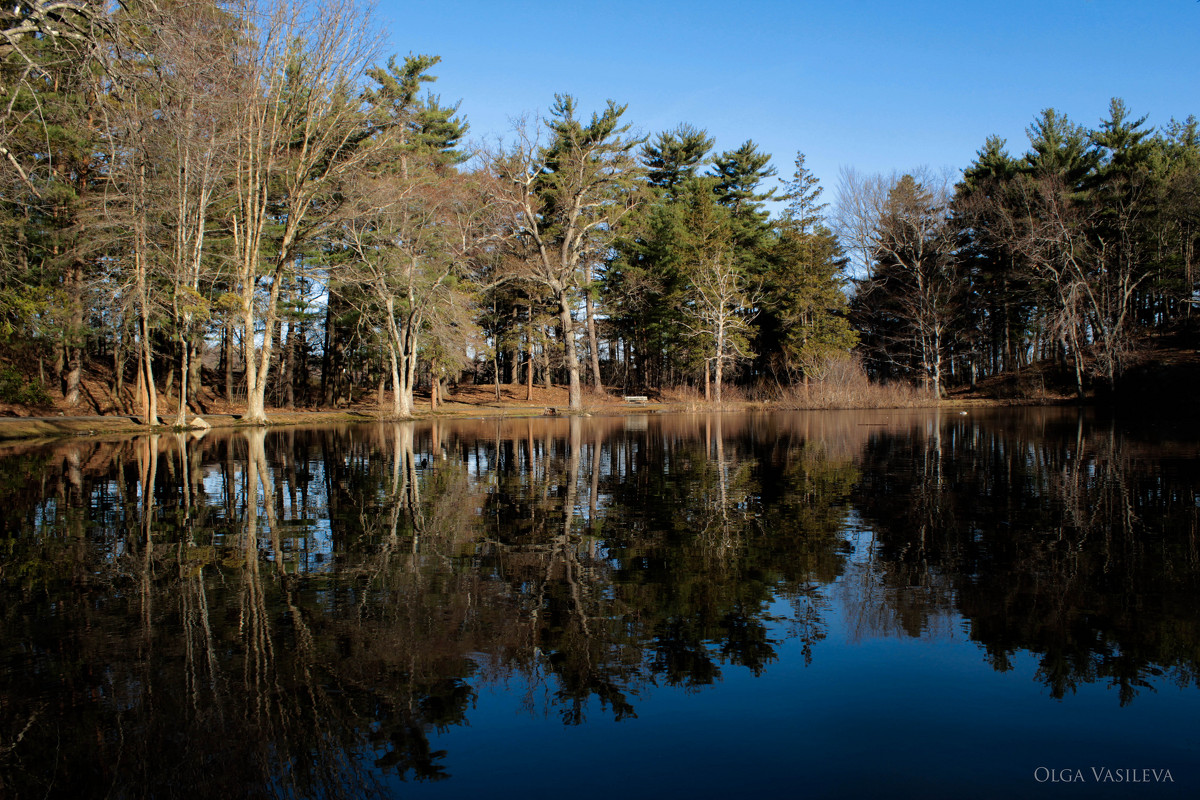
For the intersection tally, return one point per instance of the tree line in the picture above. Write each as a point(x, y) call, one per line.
point(1076, 251)
point(252, 186)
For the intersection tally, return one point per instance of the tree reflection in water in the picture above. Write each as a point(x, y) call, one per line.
point(1067, 538)
point(297, 612)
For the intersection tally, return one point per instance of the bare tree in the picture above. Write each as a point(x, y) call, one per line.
point(168, 133)
point(897, 228)
point(1092, 295)
point(854, 212)
point(413, 238)
point(720, 299)
point(194, 122)
point(77, 26)
point(566, 200)
point(720, 312)
point(298, 131)
point(128, 211)
point(56, 19)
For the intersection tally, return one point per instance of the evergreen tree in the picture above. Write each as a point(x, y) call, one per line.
point(803, 320)
point(53, 168)
point(674, 157)
point(1004, 299)
point(1122, 190)
point(719, 299)
point(1060, 149)
point(802, 193)
point(416, 125)
point(909, 304)
point(1176, 165)
point(566, 202)
point(644, 286)
point(413, 220)
point(738, 177)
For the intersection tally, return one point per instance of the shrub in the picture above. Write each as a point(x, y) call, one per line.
point(15, 389)
point(845, 384)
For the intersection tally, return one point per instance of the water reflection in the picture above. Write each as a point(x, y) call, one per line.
point(1068, 539)
point(301, 612)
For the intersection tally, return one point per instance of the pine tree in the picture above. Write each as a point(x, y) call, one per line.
point(412, 219)
point(567, 200)
point(644, 287)
point(53, 167)
point(674, 157)
point(739, 175)
point(1006, 302)
point(1061, 149)
point(803, 193)
point(803, 322)
point(416, 125)
point(1176, 163)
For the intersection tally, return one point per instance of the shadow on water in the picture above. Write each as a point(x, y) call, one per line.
point(300, 612)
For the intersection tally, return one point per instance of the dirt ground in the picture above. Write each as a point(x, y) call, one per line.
point(1165, 372)
point(97, 399)
point(99, 412)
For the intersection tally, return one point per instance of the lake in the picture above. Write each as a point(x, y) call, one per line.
point(822, 604)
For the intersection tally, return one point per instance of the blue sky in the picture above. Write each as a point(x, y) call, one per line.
point(876, 86)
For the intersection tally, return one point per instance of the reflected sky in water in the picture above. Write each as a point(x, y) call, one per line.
point(826, 604)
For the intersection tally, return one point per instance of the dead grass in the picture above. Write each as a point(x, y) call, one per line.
point(844, 385)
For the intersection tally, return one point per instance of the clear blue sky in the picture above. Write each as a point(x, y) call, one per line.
point(872, 85)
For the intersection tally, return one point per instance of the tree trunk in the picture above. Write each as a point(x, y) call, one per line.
point(381, 385)
point(512, 359)
point(73, 373)
point(630, 370)
point(574, 393)
point(227, 357)
point(410, 365)
point(496, 371)
point(434, 386)
point(399, 347)
point(289, 367)
point(194, 365)
point(258, 365)
point(1077, 359)
point(718, 369)
point(149, 395)
point(327, 356)
point(529, 374)
point(593, 344)
point(255, 400)
point(118, 367)
point(184, 372)
point(303, 383)
point(397, 391)
point(529, 346)
point(937, 365)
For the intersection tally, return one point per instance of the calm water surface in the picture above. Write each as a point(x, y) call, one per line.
point(909, 604)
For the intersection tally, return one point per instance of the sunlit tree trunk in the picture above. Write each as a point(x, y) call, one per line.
point(593, 344)
point(571, 348)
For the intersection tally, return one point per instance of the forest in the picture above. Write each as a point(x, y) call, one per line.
point(255, 198)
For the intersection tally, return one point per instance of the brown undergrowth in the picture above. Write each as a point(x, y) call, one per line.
point(1166, 371)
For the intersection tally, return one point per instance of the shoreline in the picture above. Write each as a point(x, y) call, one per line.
point(24, 429)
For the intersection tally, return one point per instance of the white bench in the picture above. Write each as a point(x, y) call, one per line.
point(636, 398)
